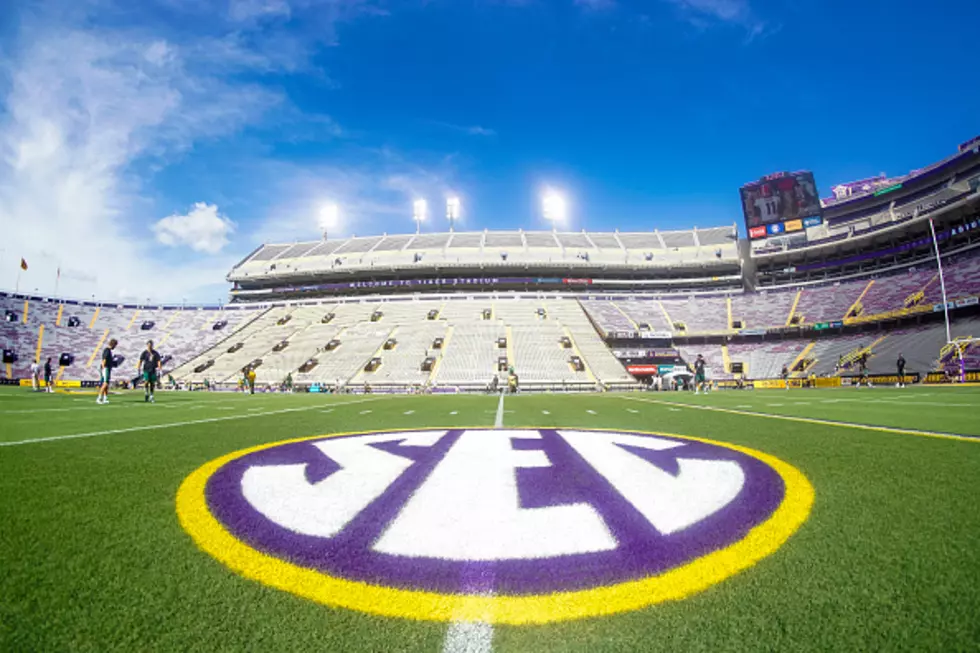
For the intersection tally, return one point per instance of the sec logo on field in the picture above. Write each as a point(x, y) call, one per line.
point(507, 526)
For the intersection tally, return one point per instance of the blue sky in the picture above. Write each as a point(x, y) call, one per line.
point(147, 146)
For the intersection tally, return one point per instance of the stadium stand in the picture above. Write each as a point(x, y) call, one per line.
point(46, 327)
point(766, 360)
point(453, 309)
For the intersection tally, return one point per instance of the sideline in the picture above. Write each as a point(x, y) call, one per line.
point(810, 420)
point(208, 420)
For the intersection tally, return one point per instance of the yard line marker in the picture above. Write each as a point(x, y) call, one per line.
point(474, 636)
point(329, 410)
point(591, 412)
point(545, 412)
point(744, 406)
point(150, 427)
point(814, 420)
point(408, 412)
point(365, 412)
point(631, 410)
point(455, 412)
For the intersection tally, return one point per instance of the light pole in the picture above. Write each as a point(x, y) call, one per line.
point(554, 208)
point(419, 208)
point(328, 218)
point(452, 211)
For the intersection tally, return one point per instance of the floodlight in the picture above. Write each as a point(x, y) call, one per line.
point(329, 214)
point(452, 211)
point(419, 209)
point(554, 208)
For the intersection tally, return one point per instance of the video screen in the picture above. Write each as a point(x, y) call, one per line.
point(790, 197)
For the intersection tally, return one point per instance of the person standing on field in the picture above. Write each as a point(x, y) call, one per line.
point(150, 364)
point(105, 372)
point(47, 375)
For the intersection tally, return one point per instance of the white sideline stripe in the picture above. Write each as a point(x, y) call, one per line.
point(150, 427)
point(815, 420)
point(473, 636)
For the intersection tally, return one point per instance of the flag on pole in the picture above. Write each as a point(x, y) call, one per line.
point(59, 273)
point(23, 264)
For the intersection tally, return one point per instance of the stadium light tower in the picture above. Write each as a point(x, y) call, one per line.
point(419, 208)
point(452, 211)
point(329, 214)
point(554, 208)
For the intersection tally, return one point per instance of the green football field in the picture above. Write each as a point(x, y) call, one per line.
point(94, 557)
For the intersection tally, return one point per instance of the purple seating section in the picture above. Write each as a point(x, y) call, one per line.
point(178, 333)
point(828, 303)
point(607, 317)
point(699, 313)
point(648, 313)
point(890, 293)
point(760, 310)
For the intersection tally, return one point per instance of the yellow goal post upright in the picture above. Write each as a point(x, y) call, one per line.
point(960, 344)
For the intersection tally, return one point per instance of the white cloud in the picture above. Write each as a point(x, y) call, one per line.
point(733, 12)
point(245, 10)
point(596, 5)
point(83, 110)
point(202, 229)
point(472, 130)
point(477, 130)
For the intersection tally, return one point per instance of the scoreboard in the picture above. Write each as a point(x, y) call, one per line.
point(780, 203)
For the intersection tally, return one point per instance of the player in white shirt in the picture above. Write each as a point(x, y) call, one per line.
point(35, 376)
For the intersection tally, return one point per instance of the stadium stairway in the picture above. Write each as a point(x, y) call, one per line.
point(852, 356)
point(792, 310)
point(434, 375)
point(801, 357)
point(856, 307)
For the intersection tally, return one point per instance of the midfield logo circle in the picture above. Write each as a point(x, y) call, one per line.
point(508, 526)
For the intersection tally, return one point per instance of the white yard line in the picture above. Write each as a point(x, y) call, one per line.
point(473, 636)
point(150, 427)
point(468, 637)
point(810, 420)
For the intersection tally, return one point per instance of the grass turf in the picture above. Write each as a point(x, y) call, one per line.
point(93, 558)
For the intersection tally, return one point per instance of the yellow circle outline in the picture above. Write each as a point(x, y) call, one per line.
point(678, 583)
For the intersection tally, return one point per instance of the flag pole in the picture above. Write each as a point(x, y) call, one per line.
point(56, 280)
